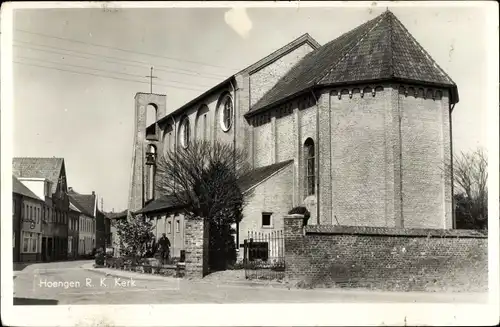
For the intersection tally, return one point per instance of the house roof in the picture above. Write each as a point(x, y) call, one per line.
point(245, 183)
point(258, 175)
point(73, 207)
point(380, 49)
point(305, 38)
point(162, 203)
point(84, 202)
point(49, 168)
point(116, 215)
point(19, 188)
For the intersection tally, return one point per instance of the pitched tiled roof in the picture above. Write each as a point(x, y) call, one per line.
point(246, 182)
point(116, 215)
point(84, 202)
point(73, 207)
point(162, 203)
point(19, 188)
point(258, 175)
point(380, 49)
point(305, 38)
point(49, 168)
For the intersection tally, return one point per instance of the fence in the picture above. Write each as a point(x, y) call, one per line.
point(264, 255)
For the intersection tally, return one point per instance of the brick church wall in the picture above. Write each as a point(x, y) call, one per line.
point(385, 258)
point(425, 142)
point(264, 79)
point(359, 157)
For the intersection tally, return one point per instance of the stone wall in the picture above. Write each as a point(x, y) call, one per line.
point(196, 245)
point(385, 258)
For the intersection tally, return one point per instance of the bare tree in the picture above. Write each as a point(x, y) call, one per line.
point(470, 175)
point(203, 180)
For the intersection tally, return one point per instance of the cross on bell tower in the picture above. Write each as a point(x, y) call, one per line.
point(151, 80)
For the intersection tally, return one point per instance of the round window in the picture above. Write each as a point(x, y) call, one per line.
point(226, 113)
point(185, 133)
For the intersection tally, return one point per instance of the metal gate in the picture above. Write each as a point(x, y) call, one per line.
point(264, 255)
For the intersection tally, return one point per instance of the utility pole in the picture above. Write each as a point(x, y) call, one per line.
point(151, 80)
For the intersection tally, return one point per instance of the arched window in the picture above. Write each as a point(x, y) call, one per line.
point(151, 112)
point(226, 113)
point(167, 140)
point(309, 167)
point(202, 123)
point(185, 133)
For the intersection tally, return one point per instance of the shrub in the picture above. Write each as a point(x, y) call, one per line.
point(99, 258)
point(301, 211)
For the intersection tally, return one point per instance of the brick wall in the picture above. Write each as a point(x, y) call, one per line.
point(425, 145)
point(358, 157)
point(196, 244)
point(274, 195)
point(385, 258)
point(264, 79)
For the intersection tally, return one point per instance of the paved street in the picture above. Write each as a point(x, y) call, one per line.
point(69, 283)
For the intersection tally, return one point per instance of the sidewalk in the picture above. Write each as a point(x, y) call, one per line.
point(212, 279)
point(125, 274)
point(233, 279)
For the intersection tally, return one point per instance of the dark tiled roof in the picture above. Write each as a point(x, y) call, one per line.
point(116, 215)
point(380, 49)
point(19, 188)
point(305, 38)
point(258, 175)
point(49, 168)
point(162, 203)
point(84, 202)
point(245, 183)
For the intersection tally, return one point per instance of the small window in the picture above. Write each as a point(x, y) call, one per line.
point(177, 226)
point(169, 227)
point(266, 219)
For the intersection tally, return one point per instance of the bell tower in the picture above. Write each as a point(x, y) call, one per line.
point(149, 108)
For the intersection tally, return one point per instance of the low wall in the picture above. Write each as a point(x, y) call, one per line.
point(385, 258)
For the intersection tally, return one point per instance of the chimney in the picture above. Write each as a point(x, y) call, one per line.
point(70, 189)
point(93, 193)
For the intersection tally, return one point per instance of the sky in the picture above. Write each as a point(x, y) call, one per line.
point(76, 72)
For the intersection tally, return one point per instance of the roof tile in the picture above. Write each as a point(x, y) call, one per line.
point(381, 48)
point(49, 168)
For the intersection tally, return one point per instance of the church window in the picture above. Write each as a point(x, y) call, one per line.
point(185, 136)
point(309, 166)
point(226, 113)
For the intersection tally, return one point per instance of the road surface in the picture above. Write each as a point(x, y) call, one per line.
point(68, 283)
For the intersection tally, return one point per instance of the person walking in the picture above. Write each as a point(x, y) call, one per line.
point(164, 244)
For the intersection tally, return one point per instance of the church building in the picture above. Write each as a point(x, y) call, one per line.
point(357, 130)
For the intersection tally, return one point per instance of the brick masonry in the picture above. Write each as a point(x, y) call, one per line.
point(196, 245)
point(385, 258)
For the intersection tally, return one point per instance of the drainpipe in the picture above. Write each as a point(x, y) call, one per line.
point(234, 146)
point(453, 218)
point(234, 123)
point(175, 140)
point(316, 152)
